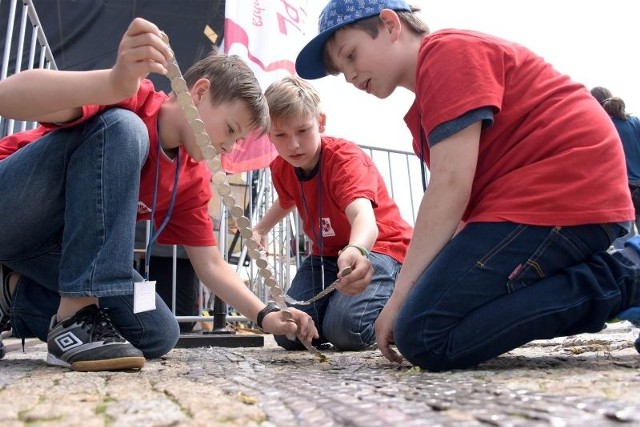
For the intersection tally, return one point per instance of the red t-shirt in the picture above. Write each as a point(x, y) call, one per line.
point(347, 174)
point(189, 223)
point(551, 157)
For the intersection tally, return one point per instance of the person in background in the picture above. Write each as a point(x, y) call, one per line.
point(601, 94)
point(527, 188)
point(346, 211)
point(628, 127)
point(111, 150)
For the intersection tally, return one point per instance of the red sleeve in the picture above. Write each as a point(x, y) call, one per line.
point(458, 73)
point(345, 159)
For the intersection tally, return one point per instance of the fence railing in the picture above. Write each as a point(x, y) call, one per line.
point(401, 171)
point(25, 47)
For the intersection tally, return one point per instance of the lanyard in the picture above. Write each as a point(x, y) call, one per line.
point(155, 233)
point(319, 239)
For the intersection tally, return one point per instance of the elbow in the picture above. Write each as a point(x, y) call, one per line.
point(375, 232)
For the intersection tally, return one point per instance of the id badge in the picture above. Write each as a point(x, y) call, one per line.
point(144, 296)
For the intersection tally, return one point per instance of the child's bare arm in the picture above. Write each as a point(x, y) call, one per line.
point(57, 96)
point(273, 216)
point(453, 166)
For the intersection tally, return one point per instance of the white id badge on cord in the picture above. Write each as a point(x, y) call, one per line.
point(144, 296)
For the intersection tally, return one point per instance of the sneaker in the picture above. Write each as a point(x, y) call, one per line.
point(89, 342)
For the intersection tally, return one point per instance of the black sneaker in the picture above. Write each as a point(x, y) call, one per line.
point(89, 342)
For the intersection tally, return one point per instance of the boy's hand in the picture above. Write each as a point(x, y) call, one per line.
point(142, 50)
point(301, 325)
point(359, 277)
point(384, 331)
point(260, 239)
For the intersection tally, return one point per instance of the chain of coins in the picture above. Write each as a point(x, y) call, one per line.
point(219, 180)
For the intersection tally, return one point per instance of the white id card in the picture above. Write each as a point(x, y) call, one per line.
point(144, 296)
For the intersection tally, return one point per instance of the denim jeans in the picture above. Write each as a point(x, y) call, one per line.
point(497, 286)
point(345, 321)
point(68, 205)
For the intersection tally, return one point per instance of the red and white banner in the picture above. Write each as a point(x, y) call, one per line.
point(268, 34)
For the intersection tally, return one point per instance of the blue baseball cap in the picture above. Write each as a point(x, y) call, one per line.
point(337, 14)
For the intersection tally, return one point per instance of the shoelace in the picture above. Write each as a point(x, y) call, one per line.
point(99, 324)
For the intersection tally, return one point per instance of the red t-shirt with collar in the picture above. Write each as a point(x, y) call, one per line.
point(551, 157)
point(345, 174)
point(189, 223)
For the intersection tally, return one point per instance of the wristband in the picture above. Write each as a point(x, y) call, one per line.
point(362, 249)
point(269, 308)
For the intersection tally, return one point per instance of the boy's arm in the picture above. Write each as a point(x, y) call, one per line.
point(453, 166)
point(274, 215)
point(364, 233)
point(57, 96)
point(217, 275)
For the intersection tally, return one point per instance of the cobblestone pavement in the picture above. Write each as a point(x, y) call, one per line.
point(586, 380)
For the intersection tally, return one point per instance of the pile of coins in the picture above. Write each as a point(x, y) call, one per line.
point(222, 187)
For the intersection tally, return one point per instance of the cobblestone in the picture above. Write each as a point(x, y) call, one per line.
point(576, 381)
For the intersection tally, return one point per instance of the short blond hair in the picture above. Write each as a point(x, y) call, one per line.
point(292, 97)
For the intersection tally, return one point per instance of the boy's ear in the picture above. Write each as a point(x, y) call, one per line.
point(391, 23)
point(322, 121)
point(200, 89)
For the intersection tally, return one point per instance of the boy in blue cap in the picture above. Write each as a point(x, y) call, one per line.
point(510, 242)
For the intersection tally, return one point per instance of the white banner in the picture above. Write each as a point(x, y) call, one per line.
point(268, 34)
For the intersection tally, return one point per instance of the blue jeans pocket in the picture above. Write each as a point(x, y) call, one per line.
point(533, 269)
point(560, 248)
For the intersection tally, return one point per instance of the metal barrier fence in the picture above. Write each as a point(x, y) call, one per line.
point(27, 48)
point(401, 171)
point(30, 47)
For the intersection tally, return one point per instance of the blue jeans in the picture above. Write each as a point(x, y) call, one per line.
point(345, 321)
point(68, 205)
point(497, 286)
